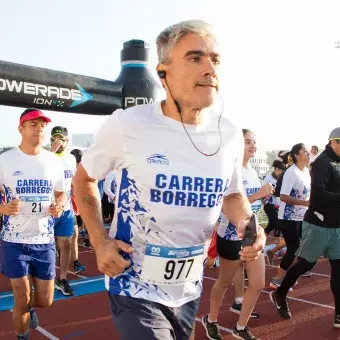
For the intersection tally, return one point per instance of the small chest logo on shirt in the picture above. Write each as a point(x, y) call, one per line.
point(17, 173)
point(158, 159)
point(68, 173)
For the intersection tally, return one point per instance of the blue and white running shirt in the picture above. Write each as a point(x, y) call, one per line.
point(251, 185)
point(70, 166)
point(169, 196)
point(33, 179)
point(295, 183)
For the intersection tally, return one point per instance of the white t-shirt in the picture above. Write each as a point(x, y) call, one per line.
point(110, 185)
point(32, 179)
point(251, 185)
point(70, 166)
point(296, 183)
point(313, 157)
point(169, 196)
point(271, 180)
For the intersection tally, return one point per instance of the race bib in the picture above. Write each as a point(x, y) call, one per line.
point(34, 206)
point(172, 266)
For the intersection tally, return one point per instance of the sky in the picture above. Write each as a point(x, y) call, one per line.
point(280, 71)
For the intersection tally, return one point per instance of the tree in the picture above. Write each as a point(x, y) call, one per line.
point(271, 156)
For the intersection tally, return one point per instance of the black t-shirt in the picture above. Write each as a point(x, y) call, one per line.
point(324, 209)
point(279, 185)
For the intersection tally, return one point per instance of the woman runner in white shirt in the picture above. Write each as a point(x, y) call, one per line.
point(294, 196)
point(228, 248)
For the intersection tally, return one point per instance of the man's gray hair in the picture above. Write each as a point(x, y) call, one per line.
point(168, 38)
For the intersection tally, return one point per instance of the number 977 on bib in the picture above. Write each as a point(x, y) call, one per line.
point(166, 266)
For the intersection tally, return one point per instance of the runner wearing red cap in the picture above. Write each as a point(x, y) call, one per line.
point(33, 184)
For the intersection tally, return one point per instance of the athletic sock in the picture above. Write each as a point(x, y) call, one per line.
point(211, 321)
point(239, 300)
point(24, 336)
point(239, 328)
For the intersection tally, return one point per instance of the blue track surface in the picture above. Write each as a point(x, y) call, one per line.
point(81, 287)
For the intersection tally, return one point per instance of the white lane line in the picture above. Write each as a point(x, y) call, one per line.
point(87, 251)
point(46, 333)
point(317, 274)
point(227, 330)
point(4, 296)
point(290, 298)
point(87, 281)
point(43, 331)
point(81, 276)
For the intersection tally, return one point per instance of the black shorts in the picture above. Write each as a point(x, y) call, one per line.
point(228, 250)
point(79, 221)
point(146, 320)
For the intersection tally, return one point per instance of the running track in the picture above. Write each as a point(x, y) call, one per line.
point(88, 317)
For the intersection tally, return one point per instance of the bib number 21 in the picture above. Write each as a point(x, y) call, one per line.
point(37, 207)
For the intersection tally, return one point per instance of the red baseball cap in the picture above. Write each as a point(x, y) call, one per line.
point(30, 114)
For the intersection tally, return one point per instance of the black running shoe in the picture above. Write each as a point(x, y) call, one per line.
point(243, 334)
point(78, 267)
point(337, 321)
point(236, 308)
point(64, 287)
point(211, 329)
point(281, 305)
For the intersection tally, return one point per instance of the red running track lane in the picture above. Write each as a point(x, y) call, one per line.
point(88, 317)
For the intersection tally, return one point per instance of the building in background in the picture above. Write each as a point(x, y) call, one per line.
point(259, 163)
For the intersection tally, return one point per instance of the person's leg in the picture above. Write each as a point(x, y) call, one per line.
point(182, 319)
point(140, 319)
point(314, 243)
point(43, 274)
point(43, 293)
point(226, 274)
point(272, 214)
point(293, 274)
point(256, 282)
point(280, 245)
point(21, 293)
point(64, 244)
point(64, 229)
point(271, 252)
point(74, 247)
point(239, 283)
point(77, 266)
point(228, 252)
point(335, 286)
point(291, 231)
point(192, 336)
point(15, 264)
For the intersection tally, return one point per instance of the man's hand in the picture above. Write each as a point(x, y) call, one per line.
point(56, 145)
point(109, 261)
point(56, 210)
point(305, 203)
point(11, 208)
point(251, 253)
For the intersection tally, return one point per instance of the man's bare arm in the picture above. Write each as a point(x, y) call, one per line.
point(293, 201)
point(236, 208)
point(89, 204)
